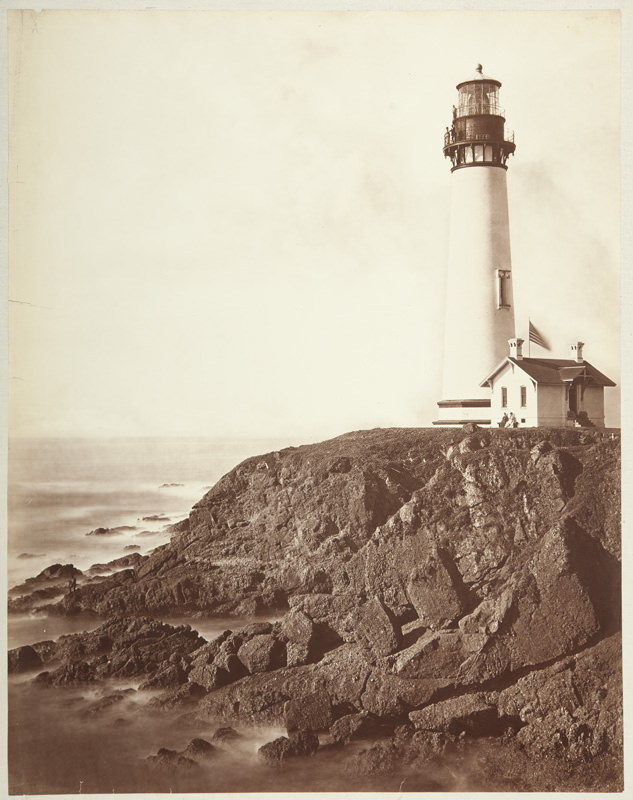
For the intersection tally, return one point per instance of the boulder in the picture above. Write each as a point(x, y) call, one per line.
point(226, 734)
point(436, 591)
point(210, 676)
point(389, 695)
point(300, 743)
point(167, 760)
point(262, 653)
point(276, 751)
point(23, 659)
point(73, 674)
point(354, 726)
point(375, 628)
point(472, 714)
point(297, 654)
point(309, 712)
point(180, 697)
point(166, 677)
point(199, 750)
point(298, 628)
point(304, 743)
point(438, 655)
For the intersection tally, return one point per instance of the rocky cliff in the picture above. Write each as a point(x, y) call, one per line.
point(435, 587)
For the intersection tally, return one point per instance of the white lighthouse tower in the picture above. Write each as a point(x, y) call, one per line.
point(479, 304)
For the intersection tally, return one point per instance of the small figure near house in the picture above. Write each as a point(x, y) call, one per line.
point(504, 419)
point(512, 421)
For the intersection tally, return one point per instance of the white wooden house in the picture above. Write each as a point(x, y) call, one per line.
point(547, 391)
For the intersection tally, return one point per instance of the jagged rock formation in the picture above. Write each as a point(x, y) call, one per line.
point(438, 587)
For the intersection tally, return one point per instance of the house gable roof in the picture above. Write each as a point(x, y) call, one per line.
point(553, 371)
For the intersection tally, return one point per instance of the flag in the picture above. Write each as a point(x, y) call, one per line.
point(537, 337)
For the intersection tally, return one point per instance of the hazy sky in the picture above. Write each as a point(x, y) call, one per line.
point(237, 222)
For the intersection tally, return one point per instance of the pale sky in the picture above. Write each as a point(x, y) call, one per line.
point(237, 222)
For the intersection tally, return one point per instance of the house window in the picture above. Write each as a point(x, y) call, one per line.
point(523, 397)
point(503, 277)
point(504, 397)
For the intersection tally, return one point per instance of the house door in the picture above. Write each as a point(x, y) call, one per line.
point(573, 398)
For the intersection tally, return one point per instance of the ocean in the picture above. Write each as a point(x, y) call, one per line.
point(61, 490)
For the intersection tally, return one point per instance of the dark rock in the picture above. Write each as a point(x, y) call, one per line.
point(107, 702)
point(262, 653)
point(304, 743)
point(389, 695)
point(57, 571)
point(340, 465)
point(375, 628)
point(298, 654)
point(309, 712)
point(227, 734)
point(23, 659)
point(167, 760)
point(182, 696)
point(130, 560)
point(301, 743)
point(73, 674)
point(199, 750)
point(256, 629)
point(436, 591)
point(572, 708)
point(297, 627)
point(210, 676)
point(167, 676)
point(102, 532)
point(472, 714)
point(276, 751)
point(382, 757)
point(354, 726)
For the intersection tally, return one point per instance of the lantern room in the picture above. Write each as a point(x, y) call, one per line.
point(478, 135)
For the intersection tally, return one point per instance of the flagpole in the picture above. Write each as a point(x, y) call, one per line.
point(529, 341)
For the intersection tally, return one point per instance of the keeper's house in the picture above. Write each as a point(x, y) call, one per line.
point(547, 391)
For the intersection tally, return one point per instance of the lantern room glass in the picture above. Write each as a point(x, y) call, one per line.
point(480, 97)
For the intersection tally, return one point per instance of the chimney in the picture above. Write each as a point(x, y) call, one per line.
point(576, 351)
point(516, 348)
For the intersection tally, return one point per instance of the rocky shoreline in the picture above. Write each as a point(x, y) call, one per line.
point(442, 597)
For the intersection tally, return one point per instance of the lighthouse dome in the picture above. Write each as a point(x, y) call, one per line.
point(479, 76)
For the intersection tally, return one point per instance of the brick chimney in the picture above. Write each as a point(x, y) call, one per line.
point(576, 351)
point(516, 348)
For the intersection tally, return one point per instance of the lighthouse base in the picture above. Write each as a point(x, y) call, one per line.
point(459, 412)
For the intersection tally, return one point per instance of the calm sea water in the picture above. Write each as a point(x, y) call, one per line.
point(61, 489)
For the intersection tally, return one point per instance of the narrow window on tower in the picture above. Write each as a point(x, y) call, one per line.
point(503, 294)
point(504, 397)
point(523, 396)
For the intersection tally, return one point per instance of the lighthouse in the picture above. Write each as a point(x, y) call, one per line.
point(479, 298)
